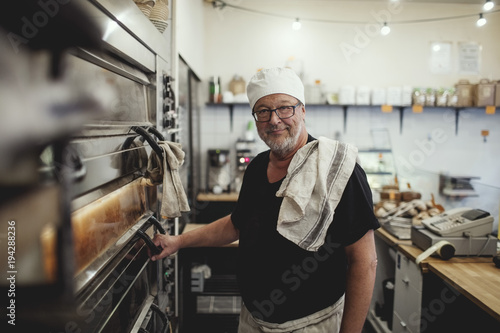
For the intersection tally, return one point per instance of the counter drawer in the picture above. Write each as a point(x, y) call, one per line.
point(407, 310)
point(408, 272)
point(408, 295)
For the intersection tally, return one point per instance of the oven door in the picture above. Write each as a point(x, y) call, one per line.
point(153, 319)
point(116, 297)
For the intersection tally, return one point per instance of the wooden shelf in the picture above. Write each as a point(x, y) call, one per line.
point(383, 108)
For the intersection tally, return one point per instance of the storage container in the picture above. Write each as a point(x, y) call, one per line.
point(484, 93)
point(464, 91)
point(363, 95)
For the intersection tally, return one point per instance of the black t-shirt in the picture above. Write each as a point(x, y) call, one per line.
point(278, 280)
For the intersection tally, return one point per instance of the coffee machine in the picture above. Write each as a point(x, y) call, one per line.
point(243, 158)
point(218, 171)
point(244, 155)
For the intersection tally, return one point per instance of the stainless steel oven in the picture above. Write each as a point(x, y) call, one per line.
point(84, 216)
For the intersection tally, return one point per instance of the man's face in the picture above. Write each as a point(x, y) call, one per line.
point(281, 135)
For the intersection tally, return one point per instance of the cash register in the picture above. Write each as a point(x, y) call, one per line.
point(467, 229)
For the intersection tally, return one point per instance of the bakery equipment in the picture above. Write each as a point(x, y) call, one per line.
point(76, 198)
point(243, 158)
point(464, 246)
point(462, 221)
point(218, 171)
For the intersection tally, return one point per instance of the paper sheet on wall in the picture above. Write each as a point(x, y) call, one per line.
point(440, 59)
point(469, 58)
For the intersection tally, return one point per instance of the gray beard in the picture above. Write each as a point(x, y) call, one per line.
point(287, 146)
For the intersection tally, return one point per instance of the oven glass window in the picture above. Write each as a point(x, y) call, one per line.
point(117, 300)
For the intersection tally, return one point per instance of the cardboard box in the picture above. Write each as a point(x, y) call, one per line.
point(465, 94)
point(484, 93)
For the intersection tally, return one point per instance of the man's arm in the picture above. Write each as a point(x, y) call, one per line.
point(362, 261)
point(217, 233)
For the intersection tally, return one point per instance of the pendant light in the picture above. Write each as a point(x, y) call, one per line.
point(385, 29)
point(481, 21)
point(488, 5)
point(296, 25)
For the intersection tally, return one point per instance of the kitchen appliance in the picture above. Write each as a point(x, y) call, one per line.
point(245, 152)
point(218, 171)
point(243, 158)
point(464, 246)
point(83, 218)
point(457, 186)
point(467, 230)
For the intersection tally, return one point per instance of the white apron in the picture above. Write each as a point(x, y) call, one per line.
point(324, 321)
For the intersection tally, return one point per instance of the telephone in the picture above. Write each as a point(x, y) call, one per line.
point(462, 221)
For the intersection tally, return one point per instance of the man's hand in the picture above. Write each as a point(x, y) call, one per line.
point(217, 233)
point(169, 244)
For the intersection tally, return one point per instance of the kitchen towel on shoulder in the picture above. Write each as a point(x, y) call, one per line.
point(312, 189)
point(166, 172)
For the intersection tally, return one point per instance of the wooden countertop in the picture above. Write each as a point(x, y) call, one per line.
point(477, 278)
point(192, 226)
point(479, 282)
point(231, 197)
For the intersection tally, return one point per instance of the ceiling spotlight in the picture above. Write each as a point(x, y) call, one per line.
point(385, 29)
point(488, 5)
point(296, 25)
point(481, 21)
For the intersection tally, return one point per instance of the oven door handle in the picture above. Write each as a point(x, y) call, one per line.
point(154, 249)
point(157, 224)
point(154, 145)
point(157, 133)
point(162, 315)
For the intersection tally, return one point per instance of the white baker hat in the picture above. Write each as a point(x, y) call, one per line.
point(275, 80)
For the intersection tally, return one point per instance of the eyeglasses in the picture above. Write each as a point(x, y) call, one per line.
point(282, 112)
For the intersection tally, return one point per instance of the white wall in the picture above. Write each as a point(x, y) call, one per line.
point(238, 42)
point(190, 43)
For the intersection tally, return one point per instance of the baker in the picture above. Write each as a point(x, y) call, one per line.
point(304, 220)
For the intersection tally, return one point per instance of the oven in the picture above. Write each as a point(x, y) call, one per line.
point(75, 193)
